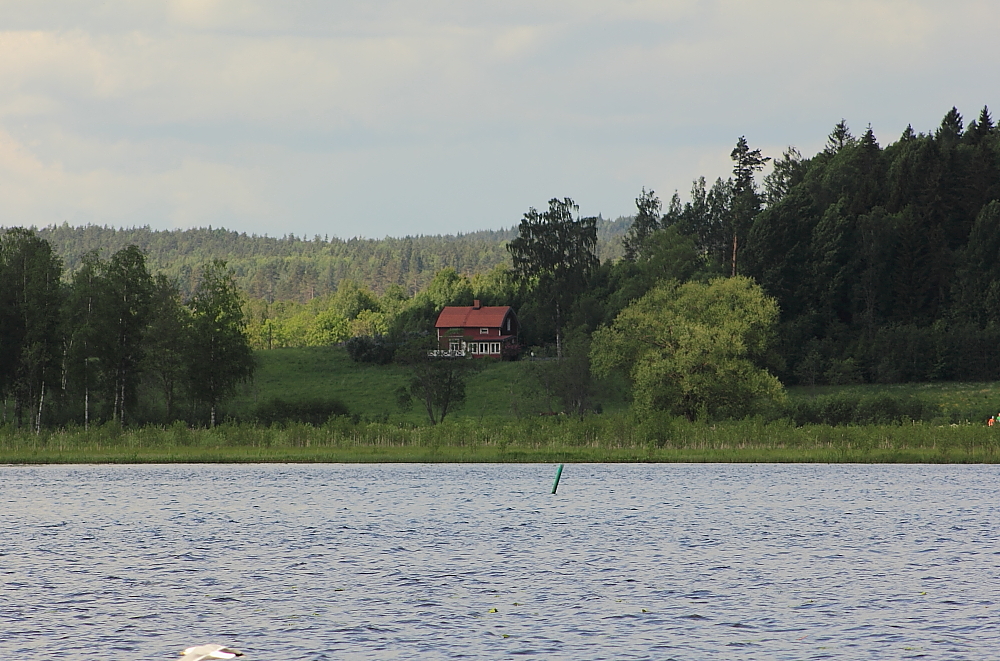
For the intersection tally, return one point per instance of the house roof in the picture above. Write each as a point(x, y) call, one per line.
point(470, 317)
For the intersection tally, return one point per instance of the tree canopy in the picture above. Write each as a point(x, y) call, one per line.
point(694, 349)
point(555, 253)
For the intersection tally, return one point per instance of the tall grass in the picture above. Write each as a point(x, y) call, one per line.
point(609, 437)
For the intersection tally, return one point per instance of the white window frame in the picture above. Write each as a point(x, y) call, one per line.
point(494, 347)
point(484, 331)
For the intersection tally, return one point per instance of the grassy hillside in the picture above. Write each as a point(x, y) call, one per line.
point(951, 401)
point(511, 390)
point(502, 389)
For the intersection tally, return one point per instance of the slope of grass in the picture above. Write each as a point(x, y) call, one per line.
point(511, 390)
point(501, 389)
point(955, 401)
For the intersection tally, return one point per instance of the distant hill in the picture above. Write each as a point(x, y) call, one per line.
point(294, 268)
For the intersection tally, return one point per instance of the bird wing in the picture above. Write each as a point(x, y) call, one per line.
point(201, 652)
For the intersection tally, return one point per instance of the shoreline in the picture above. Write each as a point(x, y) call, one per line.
point(601, 439)
point(458, 454)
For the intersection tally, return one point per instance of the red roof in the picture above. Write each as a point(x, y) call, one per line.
point(470, 317)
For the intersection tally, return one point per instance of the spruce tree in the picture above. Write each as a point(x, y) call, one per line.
point(647, 221)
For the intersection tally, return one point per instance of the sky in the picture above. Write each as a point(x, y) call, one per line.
point(381, 118)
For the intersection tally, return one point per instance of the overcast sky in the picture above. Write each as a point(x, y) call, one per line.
point(377, 118)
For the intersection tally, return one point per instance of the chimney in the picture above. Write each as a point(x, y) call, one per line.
point(476, 305)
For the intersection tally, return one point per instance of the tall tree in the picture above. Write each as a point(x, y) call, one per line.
point(839, 138)
point(647, 221)
point(130, 290)
point(167, 334)
point(88, 344)
point(746, 201)
point(30, 302)
point(219, 356)
point(951, 127)
point(555, 253)
point(787, 172)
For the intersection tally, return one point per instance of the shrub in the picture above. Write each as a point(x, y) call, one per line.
point(312, 411)
point(370, 349)
point(854, 409)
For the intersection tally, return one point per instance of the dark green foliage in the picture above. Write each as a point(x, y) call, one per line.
point(977, 275)
point(745, 200)
point(307, 411)
point(376, 349)
point(301, 269)
point(554, 254)
point(166, 341)
point(30, 315)
point(129, 294)
point(855, 409)
point(567, 385)
point(877, 255)
point(646, 221)
point(438, 384)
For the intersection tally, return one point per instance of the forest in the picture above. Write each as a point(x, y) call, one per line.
point(860, 264)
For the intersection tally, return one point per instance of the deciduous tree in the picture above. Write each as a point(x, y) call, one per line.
point(438, 384)
point(30, 307)
point(555, 252)
point(218, 353)
point(694, 349)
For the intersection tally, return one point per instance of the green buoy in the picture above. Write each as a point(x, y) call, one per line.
point(555, 485)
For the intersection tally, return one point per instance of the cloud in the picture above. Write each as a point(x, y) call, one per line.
point(409, 115)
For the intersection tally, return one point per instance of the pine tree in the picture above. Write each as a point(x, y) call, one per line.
point(839, 138)
point(647, 221)
point(951, 127)
point(746, 202)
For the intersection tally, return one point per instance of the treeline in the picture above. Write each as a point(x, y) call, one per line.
point(859, 264)
point(113, 343)
point(297, 269)
point(885, 262)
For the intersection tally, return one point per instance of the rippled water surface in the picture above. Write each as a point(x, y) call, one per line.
point(482, 562)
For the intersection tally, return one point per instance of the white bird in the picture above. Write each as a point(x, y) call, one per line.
point(201, 652)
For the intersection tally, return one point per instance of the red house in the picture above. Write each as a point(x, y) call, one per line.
point(477, 330)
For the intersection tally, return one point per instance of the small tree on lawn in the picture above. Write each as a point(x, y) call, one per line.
point(436, 383)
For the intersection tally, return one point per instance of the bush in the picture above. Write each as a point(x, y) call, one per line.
point(312, 411)
point(370, 349)
point(855, 409)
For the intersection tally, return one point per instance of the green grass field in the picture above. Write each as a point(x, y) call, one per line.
point(507, 389)
point(500, 422)
point(501, 389)
point(955, 400)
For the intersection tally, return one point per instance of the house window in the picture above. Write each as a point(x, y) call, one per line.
point(454, 345)
point(484, 331)
point(494, 347)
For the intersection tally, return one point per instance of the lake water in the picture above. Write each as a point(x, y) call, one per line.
point(411, 561)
